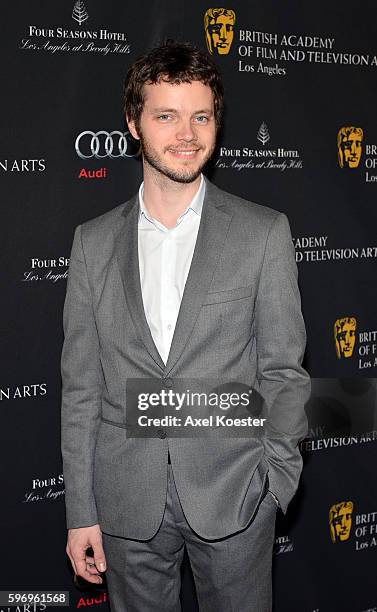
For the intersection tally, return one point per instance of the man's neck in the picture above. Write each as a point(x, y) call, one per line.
point(165, 199)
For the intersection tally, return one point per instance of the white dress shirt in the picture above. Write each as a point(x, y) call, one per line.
point(164, 262)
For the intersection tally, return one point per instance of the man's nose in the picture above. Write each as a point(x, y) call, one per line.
point(186, 131)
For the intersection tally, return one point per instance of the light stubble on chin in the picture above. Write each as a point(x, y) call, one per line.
point(154, 160)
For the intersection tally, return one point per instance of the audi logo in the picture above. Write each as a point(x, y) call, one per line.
point(105, 144)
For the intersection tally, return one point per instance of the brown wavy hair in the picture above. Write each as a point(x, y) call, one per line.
point(172, 62)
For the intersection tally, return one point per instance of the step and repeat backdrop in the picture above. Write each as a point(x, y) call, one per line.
point(300, 136)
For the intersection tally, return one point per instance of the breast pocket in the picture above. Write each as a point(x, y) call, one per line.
point(218, 297)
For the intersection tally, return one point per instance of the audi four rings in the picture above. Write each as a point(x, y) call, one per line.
point(105, 144)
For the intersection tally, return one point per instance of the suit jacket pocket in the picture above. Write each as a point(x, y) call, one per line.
point(217, 297)
point(115, 424)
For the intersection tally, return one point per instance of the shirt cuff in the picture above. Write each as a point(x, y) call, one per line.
point(275, 498)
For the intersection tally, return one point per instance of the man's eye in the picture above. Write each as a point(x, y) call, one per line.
point(202, 118)
point(164, 117)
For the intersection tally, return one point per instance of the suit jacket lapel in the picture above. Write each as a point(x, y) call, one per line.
point(213, 228)
point(127, 252)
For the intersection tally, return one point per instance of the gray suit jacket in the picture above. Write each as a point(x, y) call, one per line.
point(240, 320)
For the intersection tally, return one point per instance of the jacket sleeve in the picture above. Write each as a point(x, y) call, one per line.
point(82, 383)
point(281, 340)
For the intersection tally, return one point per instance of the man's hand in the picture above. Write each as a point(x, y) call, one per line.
point(78, 541)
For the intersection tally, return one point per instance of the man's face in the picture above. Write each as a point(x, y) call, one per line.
point(177, 129)
point(352, 150)
point(221, 33)
point(346, 339)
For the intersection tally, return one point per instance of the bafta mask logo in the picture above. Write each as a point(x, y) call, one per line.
point(350, 146)
point(345, 336)
point(218, 27)
point(340, 520)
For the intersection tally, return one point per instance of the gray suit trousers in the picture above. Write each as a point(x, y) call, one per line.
point(232, 574)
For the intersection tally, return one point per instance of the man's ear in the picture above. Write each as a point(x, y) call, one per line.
point(132, 128)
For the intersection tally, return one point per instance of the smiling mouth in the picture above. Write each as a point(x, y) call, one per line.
point(184, 153)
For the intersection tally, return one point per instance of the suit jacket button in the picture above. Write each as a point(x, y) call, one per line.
point(161, 433)
point(167, 382)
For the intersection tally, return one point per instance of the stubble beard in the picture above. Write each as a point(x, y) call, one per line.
point(151, 156)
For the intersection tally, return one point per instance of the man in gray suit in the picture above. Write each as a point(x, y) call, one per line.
point(184, 281)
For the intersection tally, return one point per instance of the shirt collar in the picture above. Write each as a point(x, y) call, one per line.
point(196, 203)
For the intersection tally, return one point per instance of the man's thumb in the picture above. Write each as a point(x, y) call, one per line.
point(99, 557)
